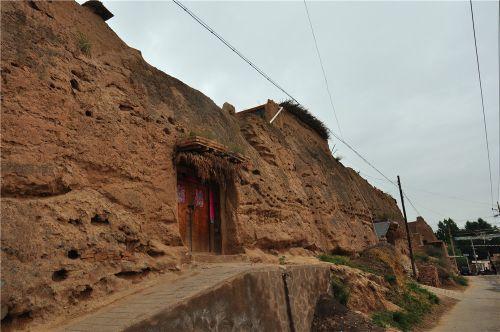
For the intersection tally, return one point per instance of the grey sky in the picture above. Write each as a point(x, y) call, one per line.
point(402, 74)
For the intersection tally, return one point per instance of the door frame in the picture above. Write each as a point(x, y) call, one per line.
point(188, 174)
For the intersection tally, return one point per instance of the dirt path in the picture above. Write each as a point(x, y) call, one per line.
point(478, 309)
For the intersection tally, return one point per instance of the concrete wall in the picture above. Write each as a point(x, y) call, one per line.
point(252, 301)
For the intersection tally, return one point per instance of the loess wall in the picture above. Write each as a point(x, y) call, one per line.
point(88, 184)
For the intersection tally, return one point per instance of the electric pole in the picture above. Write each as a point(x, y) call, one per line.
point(452, 247)
point(407, 231)
point(474, 254)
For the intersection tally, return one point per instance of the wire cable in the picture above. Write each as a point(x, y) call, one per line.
point(262, 73)
point(411, 203)
point(322, 68)
point(200, 21)
point(362, 158)
point(482, 101)
point(430, 192)
point(232, 48)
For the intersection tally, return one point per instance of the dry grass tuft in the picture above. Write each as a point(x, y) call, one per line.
point(306, 117)
point(209, 167)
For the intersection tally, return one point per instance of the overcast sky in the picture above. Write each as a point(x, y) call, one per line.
point(402, 74)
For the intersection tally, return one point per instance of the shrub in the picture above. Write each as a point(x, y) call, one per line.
point(335, 259)
point(421, 257)
point(434, 251)
point(383, 318)
point(282, 260)
point(345, 260)
point(460, 280)
point(340, 291)
point(208, 134)
point(83, 43)
point(414, 301)
point(236, 148)
point(390, 278)
point(433, 298)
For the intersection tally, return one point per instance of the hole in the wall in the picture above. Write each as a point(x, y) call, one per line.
point(171, 120)
point(60, 275)
point(99, 219)
point(125, 107)
point(85, 293)
point(81, 293)
point(256, 172)
point(33, 5)
point(88, 113)
point(73, 254)
point(75, 222)
point(155, 253)
point(74, 84)
point(17, 321)
point(133, 275)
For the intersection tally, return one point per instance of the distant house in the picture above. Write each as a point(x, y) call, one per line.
point(386, 230)
point(424, 240)
point(423, 237)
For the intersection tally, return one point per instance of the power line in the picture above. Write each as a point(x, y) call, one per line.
point(362, 158)
point(411, 203)
point(322, 67)
point(232, 48)
point(261, 72)
point(430, 192)
point(206, 26)
point(449, 197)
point(482, 100)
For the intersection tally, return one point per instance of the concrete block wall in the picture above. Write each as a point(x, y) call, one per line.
point(251, 301)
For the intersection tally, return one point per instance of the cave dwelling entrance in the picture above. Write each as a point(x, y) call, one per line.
point(206, 194)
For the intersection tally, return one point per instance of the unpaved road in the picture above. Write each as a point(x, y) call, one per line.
point(478, 310)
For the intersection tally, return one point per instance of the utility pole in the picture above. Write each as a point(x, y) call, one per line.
point(452, 247)
point(474, 254)
point(407, 230)
point(496, 211)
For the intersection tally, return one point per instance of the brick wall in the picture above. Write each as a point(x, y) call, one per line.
point(428, 274)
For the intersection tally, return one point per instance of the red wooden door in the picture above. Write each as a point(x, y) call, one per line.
point(193, 213)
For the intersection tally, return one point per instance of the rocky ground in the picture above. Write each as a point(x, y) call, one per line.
point(330, 315)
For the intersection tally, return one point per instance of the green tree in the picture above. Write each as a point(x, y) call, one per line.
point(479, 225)
point(442, 231)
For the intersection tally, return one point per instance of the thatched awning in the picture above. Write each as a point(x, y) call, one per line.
point(211, 160)
point(200, 144)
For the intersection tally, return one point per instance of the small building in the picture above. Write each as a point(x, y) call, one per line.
point(423, 238)
point(386, 230)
